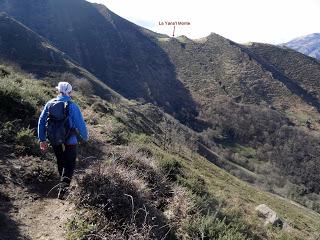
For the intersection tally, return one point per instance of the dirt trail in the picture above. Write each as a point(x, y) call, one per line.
point(44, 219)
point(35, 218)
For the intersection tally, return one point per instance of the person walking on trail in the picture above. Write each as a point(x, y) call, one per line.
point(62, 123)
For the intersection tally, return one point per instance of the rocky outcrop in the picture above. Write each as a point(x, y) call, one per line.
point(271, 217)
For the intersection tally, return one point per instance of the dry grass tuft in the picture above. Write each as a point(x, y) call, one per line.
point(133, 158)
point(178, 210)
point(123, 202)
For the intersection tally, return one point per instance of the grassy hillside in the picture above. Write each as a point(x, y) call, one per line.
point(138, 176)
point(301, 69)
point(265, 148)
point(215, 66)
point(255, 98)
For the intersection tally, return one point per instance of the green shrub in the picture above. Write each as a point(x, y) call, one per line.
point(25, 136)
point(195, 184)
point(170, 167)
point(209, 227)
point(26, 141)
point(15, 107)
point(118, 134)
point(8, 131)
point(235, 219)
point(207, 219)
point(27, 90)
point(77, 228)
point(207, 204)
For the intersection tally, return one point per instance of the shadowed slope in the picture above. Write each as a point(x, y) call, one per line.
point(35, 54)
point(113, 49)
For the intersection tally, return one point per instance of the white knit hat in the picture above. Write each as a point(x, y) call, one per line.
point(64, 87)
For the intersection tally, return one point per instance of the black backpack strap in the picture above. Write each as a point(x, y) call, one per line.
point(52, 101)
point(67, 112)
point(67, 108)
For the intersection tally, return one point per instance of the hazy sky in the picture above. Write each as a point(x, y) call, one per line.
point(269, 21)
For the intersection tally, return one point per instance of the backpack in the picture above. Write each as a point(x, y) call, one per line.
point(58, 125)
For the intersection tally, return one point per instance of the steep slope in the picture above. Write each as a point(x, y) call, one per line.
point(25, 47)
point(297, 68)
point(260, 106)
point(134, 165)
point(176, 74)
point(35, 54)
point(308, 45)
point(215, 66)
point(113, 49)
point(131, 60)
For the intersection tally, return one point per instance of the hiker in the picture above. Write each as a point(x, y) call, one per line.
point(61, 122)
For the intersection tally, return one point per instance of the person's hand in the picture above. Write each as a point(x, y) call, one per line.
point(43, 146)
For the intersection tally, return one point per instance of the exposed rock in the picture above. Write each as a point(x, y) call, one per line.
point(271, 217)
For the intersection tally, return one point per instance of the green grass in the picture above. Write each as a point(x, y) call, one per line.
point(78, 228)
point(300, 116)
point(245, 151)
point(238, 194)
point(25, 88)
point(206, 179)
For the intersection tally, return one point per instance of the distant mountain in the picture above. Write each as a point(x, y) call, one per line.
point(308, 45)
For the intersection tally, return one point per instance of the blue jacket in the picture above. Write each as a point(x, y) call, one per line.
point(75, 117)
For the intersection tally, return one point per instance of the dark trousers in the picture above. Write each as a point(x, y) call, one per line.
point(66, 159)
